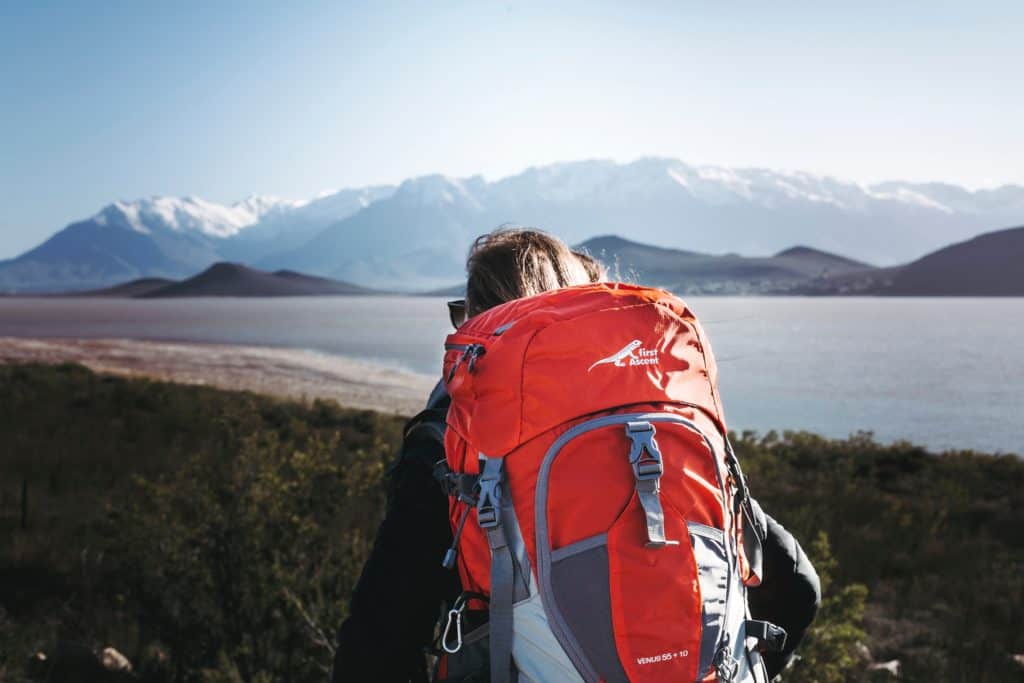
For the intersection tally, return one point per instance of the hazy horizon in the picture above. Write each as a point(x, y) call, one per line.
point(235, 99)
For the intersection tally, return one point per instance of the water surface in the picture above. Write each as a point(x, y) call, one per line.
point(944, 372)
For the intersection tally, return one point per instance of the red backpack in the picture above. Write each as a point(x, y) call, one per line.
point(611, 539)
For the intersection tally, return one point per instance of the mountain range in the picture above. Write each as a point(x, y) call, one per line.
point(414, 237)
point(986, 265)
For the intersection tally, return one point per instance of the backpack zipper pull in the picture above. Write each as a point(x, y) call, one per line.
point(470, 353)
point(452, 553)
point(455, 366)
point(475, 351)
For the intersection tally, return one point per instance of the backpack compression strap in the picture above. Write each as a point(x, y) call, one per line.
point(503, 568)
point(645, 457)
point(509, 573)
point(754, 532)
point(510, 567)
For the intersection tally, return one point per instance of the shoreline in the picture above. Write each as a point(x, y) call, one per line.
point(286, 373)
point(304, 375)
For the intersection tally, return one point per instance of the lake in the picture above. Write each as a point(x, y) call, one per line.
point(943, 372)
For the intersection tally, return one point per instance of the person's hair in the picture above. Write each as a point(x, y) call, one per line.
point(510, 263)
point(595, 269)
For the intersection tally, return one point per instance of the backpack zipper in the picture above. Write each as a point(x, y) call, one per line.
point(473, 351)
point(470, 352)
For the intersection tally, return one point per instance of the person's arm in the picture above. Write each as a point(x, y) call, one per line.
point(397, 600)
point(789, 594)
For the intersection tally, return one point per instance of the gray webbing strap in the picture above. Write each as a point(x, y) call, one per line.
point(516, 545)
point(645, 457)
point(500, 624)
point(753, 534)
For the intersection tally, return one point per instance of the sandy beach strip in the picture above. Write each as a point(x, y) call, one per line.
point(286, 373)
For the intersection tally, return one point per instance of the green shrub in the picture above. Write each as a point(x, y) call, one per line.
point(225, 529)
point(936, 539)
point(831, 651)
point(215, 536)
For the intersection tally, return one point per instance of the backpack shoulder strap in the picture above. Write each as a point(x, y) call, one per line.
point(429, 424)
point(423, 435)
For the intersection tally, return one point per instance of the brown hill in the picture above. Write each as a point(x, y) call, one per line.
point(991, 264)
point(135, 288)
point(695, 273)
point(237, 280)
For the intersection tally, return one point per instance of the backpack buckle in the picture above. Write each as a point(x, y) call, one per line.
point(648, 469)
point(646, 461)
point(488, 506)
point(644, 455)
point(487, 516)
point(770, 637)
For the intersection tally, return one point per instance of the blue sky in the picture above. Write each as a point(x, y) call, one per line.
point(110, 100)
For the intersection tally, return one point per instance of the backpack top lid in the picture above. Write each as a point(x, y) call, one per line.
point(521, 368)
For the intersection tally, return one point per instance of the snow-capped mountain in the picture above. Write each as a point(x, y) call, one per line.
point(414, 239)
point(415, 236)
point(155, 237)
point(751, 211)
point(430, 221)
point(172, 237)
point(191, 214)
point(283, 230)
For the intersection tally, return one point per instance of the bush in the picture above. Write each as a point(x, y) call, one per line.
point(222, 531)
point(215, 536)
point(936, 539)
point(832, 649)
point(249, 559)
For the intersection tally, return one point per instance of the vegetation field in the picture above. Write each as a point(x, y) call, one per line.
point(215, 536)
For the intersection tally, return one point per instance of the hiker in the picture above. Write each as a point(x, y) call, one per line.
point(398, 599)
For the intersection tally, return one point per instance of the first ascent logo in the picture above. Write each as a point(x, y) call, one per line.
point(632, 353)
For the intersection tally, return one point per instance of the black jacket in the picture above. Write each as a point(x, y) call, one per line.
point(398, 597)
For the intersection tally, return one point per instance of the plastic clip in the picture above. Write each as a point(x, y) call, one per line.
point(488, 507)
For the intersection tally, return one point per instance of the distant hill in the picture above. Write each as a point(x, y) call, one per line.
point(453, 292)
point(233, 279)
point(987, 265)
point(688, 272)
point(691, 272)
point(814, 261)
point(135, 288)
point(991, 264)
